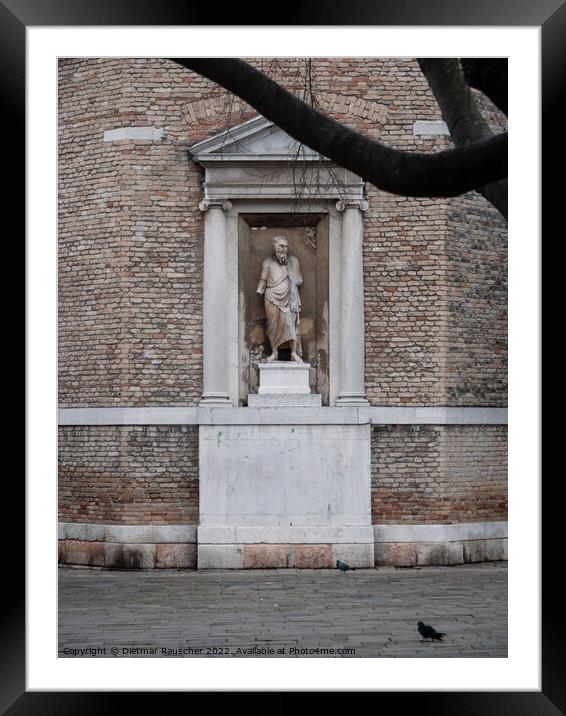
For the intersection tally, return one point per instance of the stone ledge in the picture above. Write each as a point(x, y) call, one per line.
point(259, 415)
point(416, 554)
point(284, 555)
point(273, 400)
point(438, 416)
point(281, 415)
point(440, 533)
point(115, 555)
point(112, 555)
point(138, 534)
point(279, 366)
point(330, 534)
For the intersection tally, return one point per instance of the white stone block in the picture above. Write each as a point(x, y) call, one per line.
point(295, 535)
point(314, 400)
point(135, 534)
point(285, 476)
point(440, 533)
point(220, 556)
point(205, 415)
point(151, 133)
point(306, 416)
point(360, 556)
point(284, 378)
point(430, 128)
point(84, 532)
point(211, 534)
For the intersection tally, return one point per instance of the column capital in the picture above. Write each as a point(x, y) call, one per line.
point(207, 204)
point(344, 204)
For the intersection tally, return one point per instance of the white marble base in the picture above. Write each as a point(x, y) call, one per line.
point(284, 475)
point(286, 535)
point(352, 400)
point(264, 547)
point(301, 487)
point(284, 378)
point(206, 414)
point(314, 400)
point(281, 556)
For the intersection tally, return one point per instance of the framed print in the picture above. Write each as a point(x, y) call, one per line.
point(177, 412)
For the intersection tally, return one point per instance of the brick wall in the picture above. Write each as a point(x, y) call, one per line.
point(130, 240)
point(128, 474)
point(476, 282)
point(131, 234)
point(130, 291)
point(405, 308)
point(432, 474)
point(91, 261)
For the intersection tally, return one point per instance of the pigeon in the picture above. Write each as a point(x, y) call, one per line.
point(342, 566)
point(428, 632)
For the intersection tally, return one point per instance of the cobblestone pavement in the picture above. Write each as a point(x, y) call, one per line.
point(363, 613)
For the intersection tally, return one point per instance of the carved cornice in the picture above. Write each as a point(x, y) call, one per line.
point(261, 161)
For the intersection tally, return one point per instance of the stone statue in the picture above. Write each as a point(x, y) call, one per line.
point(279, 284)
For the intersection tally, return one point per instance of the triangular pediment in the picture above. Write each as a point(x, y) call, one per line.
point(258, 139)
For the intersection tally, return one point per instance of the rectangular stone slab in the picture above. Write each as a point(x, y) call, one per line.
point(285, 476)
point(284, 378)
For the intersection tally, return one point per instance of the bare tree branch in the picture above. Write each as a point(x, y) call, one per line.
point(488, 75)
point(462, 115)
point(443, 174)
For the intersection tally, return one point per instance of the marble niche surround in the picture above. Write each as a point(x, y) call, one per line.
point(295, 491)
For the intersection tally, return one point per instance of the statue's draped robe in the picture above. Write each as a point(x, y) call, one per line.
point(282, 300)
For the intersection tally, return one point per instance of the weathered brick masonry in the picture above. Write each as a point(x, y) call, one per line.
point(132, 475)
point(131, 238)
point(130, 247)
point(130, 293)
point(439, 474)
point(476, 284)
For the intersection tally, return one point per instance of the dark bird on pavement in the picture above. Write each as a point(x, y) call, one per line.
point(428, 632)
point(342, 566)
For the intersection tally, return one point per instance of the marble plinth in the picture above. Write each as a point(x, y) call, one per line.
point(284, 486)
point(284, 378)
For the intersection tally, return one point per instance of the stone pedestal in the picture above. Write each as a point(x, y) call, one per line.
point(284, 496)
point(284, 383)
point(284, 378)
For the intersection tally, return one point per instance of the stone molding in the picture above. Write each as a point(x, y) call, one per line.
point(177, 534)
point(264, 415)
point(127, 555)
point(333, 534)
point(178, 547)
point(128, 534)
point(272, 400)
point(440, 533)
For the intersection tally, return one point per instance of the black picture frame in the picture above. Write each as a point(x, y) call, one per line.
point(550, 16)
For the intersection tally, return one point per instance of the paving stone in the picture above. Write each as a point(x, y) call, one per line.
point(372, 612)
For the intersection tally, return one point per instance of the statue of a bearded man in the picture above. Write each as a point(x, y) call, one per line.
point(279, 284)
